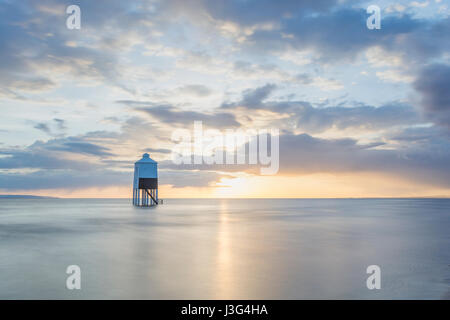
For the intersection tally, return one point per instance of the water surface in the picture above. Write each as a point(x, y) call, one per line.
point(225, 249)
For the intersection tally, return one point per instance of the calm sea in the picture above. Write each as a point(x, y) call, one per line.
point(225, 249)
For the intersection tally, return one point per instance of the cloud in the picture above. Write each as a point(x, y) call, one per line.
point(195, 90)
point(102, 177)
point(394, 76)
point(54, 129)
point(94, 159)
point(339, 35)
point(33, 85)
point(418, 4)
point(303, 154)
point(189, 178)
point(327, 84)
point(306, 154)
point(169, 114)
point(43, 127)
point(433, 83)
point(252, 98)
point(54, 154)
point(379, 57)
point(262, 11)
point(429, 136)
point(63, 179)
point(81, 162)
point(61, 124)
point(160, 150)
point(34, 158)
point(304, 78)
point(248, 70)
point(318, 119)
point(247, 43)
point(201, 61)
point(81, 147)
point(424, 158)
point(365, 117)
point(329, 31)
point(35, 53)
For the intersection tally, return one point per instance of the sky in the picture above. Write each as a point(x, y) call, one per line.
point(360, 112)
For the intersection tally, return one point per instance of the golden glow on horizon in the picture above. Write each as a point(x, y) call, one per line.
point(351, 185)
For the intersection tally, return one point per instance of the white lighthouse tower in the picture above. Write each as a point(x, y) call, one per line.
point(145, 184)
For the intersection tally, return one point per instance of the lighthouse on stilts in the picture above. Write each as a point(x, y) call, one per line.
point(145, 184)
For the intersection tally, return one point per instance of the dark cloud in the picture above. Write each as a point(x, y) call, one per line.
point(313, 119)
point(424, 162)
point(34, 158)
point(433, 83)
point(63, 179)
point(52, 154)
point(334, 30)
point(423, 135)
point(318, 119)
point(306, 154)
point(335, 34)
point(55, 128)
point(170, 114)
point(43, 127)
point(252, 98)
point(159, 150)
point(61, 124)
point(82, 148)
point(80, 145)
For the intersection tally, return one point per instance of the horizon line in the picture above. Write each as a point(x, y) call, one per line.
point(6, 196)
